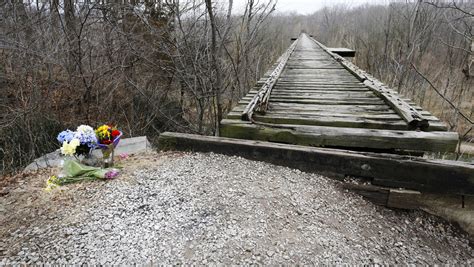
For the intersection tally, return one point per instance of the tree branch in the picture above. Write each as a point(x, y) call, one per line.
point(442, 96)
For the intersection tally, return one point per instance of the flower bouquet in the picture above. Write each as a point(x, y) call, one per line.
point(78, 143)
point(74, 171)
point(108, 138)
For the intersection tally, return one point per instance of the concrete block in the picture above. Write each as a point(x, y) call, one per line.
point(132, 145)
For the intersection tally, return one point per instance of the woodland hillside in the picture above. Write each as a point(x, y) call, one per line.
point(157, 65)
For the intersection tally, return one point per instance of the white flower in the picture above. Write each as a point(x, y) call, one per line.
point(85, 129)
point(69, 149)
point(86, 135)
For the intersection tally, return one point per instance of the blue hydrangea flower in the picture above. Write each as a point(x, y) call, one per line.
point(67, 136)
point(87, 138)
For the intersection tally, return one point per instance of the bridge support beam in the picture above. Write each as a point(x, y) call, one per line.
point(435, 176)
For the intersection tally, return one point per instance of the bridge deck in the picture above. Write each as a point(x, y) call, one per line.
point(316, 101)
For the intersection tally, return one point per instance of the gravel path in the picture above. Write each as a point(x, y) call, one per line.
point(213, 209)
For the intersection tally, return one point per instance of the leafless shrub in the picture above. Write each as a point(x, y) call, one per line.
point(148, 66)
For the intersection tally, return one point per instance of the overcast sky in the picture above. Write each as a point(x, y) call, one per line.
point(310, 6)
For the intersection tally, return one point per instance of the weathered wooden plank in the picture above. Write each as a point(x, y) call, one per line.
point(260, 100)
point(325, 94)
point(403, 199)
point(319, 91)
point(311, 60)
point(365, 114)
point(338, 121)
point(333, 121)
point(298, 91)
point(374, 115)
point(401, 171)
point(322, 79)
point(332, 108)
point(301, 71)
point(392, 116)
point(316, 55)
point(343, 52)
point(375, 194)
point(343, 109)
point(413, 118)
point(326, 84)
point(328, 105)
point(368, 106)
point(409, 113)
point(363, 111)
point(369, 114)
point(312, 66)
point(323, 113)
point(374, 101)
point(312, 88)
point(347, 118)
point(330, 83)
point(316, 71)
point(319, 76)
point(325, 136)
point(324, 97)
point(318, 94)
point(294, 90)
point(388, 197)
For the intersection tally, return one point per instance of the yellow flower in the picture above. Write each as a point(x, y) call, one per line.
point(69, 149)
point(103, 132)
point(51, 183)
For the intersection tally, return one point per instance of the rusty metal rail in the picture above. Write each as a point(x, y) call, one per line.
point(259, 102)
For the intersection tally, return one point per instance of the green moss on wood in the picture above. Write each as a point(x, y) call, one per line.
point(338, 137)
point(167, 143)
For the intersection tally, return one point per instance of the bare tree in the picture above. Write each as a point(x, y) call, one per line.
point(148, 66)
point(412, 46)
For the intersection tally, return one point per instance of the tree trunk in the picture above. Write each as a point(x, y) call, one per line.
point(215, 65)
point(70, 30)
point(54, 11)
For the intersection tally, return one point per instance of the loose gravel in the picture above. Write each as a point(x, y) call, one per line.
point(214, 209)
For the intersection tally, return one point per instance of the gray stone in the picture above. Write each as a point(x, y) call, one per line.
point(132, 145)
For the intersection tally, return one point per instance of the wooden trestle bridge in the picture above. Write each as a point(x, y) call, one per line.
point(315, 110)
point(315, 97)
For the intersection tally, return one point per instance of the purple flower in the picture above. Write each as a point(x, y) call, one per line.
point(86, 139)
point(111, 174)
